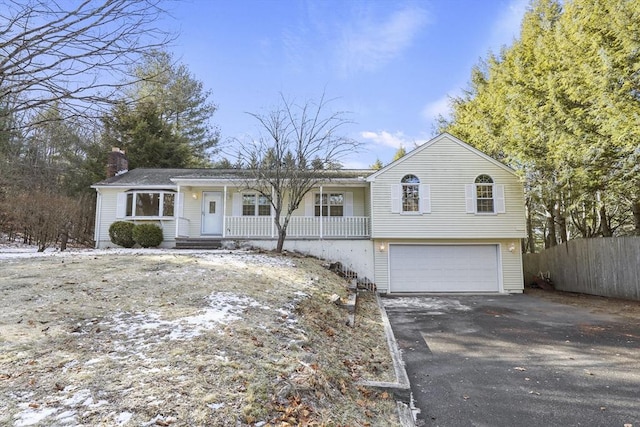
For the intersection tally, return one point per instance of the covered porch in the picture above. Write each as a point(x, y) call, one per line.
point(225, 209)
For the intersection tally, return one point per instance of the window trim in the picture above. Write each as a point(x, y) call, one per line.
point(317, 213)
point(498, 197)
point(130, 214)
point(423, 199)
point(415, 184)
point(256, 204)
point(486, 181)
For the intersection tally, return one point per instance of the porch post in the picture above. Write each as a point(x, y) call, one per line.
point(321, 211)
point(178, 210)
point(224, 212)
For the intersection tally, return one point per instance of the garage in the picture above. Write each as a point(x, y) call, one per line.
point(443, 268)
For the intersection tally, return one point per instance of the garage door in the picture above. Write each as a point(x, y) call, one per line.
point(443, 268)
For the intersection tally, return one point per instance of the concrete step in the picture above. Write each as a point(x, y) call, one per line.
point(198, 243)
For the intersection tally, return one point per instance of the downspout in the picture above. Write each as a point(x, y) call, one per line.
point(96, 230)
point(179, 211)
point(224, 212)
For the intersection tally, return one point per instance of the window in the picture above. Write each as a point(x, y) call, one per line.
point(150, 204)
point(255, 203)
point(410, 193)
point(332, 204)
point(484, 194)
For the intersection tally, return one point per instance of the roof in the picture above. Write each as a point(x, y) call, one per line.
point(146, 177)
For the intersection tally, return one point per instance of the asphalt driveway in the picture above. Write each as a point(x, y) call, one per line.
point(517, 360)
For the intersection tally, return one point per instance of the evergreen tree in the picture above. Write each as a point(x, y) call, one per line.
point(377, 165)
point(180, 99)
point(148, 140)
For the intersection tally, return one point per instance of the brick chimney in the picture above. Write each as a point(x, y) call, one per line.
point(117, 162)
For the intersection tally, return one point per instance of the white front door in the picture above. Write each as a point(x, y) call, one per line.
point(212, 212)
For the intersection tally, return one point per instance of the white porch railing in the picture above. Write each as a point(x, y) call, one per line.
point(249, 226)
point(299, 226)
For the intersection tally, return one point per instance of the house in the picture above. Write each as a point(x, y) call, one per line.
point(444, 218)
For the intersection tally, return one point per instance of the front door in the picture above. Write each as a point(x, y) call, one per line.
point(212, 212)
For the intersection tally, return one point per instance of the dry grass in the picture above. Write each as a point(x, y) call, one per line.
point(185, 339)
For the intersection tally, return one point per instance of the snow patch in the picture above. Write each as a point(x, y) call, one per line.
point(30, 416)
point(141, 327)
point(123, 418)
point(435, 305)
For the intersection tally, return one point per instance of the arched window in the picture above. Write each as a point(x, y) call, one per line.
point(484, 194)
point(410, 193)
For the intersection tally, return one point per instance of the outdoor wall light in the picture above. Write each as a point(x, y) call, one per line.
point(381, 247)
point(512, 247)
point(195, 196)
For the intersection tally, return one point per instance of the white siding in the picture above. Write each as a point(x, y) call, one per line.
point(448, 168)
point(108, 215)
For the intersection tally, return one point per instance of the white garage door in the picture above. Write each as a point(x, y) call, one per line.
point(443, 268)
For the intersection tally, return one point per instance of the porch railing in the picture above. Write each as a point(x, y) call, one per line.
point(299, 226)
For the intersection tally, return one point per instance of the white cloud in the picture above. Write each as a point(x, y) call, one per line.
point(384, 138)
point(507, 27)
point(367, 45)
point(439, 107)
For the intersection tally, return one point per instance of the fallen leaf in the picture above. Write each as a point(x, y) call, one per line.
point(520, 368)
point(465, 397)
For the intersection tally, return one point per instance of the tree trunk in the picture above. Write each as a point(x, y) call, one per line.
point(605, 228)
point(282, 234)
point(635, 208)
point(531, 243)
point(551, 227)
point(562, 225)
point(63, 241)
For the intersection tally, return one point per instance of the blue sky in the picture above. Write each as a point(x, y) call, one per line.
point(391, 64)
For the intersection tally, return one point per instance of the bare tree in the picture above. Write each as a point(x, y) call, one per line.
point(300, 148)
point(74, 58)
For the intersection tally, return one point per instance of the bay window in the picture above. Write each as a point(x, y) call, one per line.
point(150, 204)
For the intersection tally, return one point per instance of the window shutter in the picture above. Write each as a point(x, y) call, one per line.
point(348, 203)
point(121, 205)
point(499, 198)
point(470, 196)
point(179, 208)
point(236, 206)
point(395, 198)
point(308, 204)
point(425, 198)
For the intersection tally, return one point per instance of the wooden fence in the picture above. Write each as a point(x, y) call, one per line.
point(601, 266)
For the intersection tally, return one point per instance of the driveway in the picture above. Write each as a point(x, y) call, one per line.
point(518, 360)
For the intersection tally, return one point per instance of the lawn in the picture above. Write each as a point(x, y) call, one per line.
point(180, 338)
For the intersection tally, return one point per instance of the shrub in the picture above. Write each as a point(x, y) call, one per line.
point(121, 233)
point(147, 235)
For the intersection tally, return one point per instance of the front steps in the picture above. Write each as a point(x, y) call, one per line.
point(198, 243)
